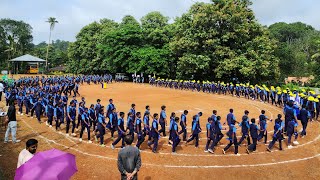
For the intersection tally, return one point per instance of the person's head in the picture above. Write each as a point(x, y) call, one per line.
point(148, 107)
point(163, 107)
point(122, 114)
point(279, 116)
point(246, 112)
point(176, 119)
point(210, 119)
point(133, 106)
point(82, 98)
point(138, 114)
point(130, 114)
point(111, 101)
point(200, 113)
point(86, 110)
point(92, 106)
point(113, 110)
point(101, 111)
point(253, 120)
point(81, 104)
point(32, 145)
point(155, 116)
point(98, 101)
point(214, 112)
point(218, 118)
point(185, 112)
point(231, 110)
point(290, 103)
point(173, 114)
point(263, 111)
point(128, 139)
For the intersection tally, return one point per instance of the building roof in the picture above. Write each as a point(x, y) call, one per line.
point(27, 58)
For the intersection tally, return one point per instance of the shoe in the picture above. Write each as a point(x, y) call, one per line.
point(95, 138)
point(154, 151)
point(74, 134)
point(211, 151)
point(295, 143)
point(237, 154)
point(31, 116)
point(102, 145)
point(268, 149)
point(289, 147)
point(248, 151)
point(302, 136)
point(50, 126)
point(174, 153)
point(206, 150)
point(112, 146)
point(5, 142)
point(47, 123)
point(89, 141)
point(223, 151)
point(112, 138)
point(17, 141)
point(67, 134)
point(80, 139)
point(21, 114)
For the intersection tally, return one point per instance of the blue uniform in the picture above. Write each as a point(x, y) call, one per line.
point(121, 132)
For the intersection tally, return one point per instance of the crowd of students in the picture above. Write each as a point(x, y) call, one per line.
point(49, 97)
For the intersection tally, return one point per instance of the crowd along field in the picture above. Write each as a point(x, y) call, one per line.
point(95, 162)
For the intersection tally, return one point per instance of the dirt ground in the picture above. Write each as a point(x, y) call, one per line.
point(95, 162)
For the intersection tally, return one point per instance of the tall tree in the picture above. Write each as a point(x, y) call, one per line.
point(52, 21)
point(223, 40)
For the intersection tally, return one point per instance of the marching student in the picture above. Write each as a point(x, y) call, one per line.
point(130, 124)
point(173, 115)
point(121, 131)
point(50, 113)
point(97, 107)
point(38, 108)
point(210, 134)
point(58, 115)
point(245, 128)
point(175, 135)
point(71, 118)
point(232, 138)
point(277, 135)
point(110, 107)
point(92, 117)
point(155, 133)
point(195, 131)
point(183, 124)
point(133, 111)
point(139, 130)
point(218, 133)
point(254, 135)
point(147, 110)
point(163, 121)
point(263, 126)
point(304, 117)
point(292, 130)
point(101, 128)
point(112, 124)
point(230, 118)
point(80, 112)
point(146, 125)
point(85, 124)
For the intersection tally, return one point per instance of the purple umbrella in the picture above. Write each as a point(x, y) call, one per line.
point(48, 165)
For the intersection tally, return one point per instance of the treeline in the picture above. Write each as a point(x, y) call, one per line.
point(221, 40)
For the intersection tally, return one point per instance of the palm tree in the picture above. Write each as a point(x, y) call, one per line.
point(52, 21)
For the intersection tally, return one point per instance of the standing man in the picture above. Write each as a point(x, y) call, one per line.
point(129, 160)
point(1, 90)
point(27, 153)
point(12, 123)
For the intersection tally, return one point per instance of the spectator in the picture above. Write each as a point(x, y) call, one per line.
point(1, 90)
point(12, 122)
point(27, 153)
point(129, 160)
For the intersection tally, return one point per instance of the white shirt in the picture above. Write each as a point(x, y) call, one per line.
point(1, 87)
point(24, 156)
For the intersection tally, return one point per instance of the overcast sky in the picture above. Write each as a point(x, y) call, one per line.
point(74, 14)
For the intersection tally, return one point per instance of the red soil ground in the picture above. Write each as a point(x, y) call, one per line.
point(95, 162)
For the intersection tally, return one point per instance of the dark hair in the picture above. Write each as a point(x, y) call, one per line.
point(147, 106)
point(253, 120)
point(155, 115)
point(231, 110)
point(263, 111)
point(110, 100)
point(133, 105)
point(98, 100)
point(304, 106)
point(246, 112)
point(210, 119)
point(200, 113)
point(279, 116)
point(138, 113)
point(218, 118)
point(214, 111)
point(92, 105)
point(173, 114)
point(121, 113)
point(128, 139)
point(163, 107)
point(31, 142)
point(185, 112)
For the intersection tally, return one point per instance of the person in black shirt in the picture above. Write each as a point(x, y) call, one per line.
point(12, 122)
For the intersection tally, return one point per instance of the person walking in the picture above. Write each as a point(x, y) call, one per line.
point(12, 123)
point(129, 160)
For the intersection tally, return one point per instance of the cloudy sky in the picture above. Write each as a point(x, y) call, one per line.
point(74, 14)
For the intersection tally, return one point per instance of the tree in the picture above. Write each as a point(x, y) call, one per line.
point(222, 40)
point(15, 39)
point(52, 21)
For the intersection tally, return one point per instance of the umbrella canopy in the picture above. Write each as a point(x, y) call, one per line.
point(50, 165)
